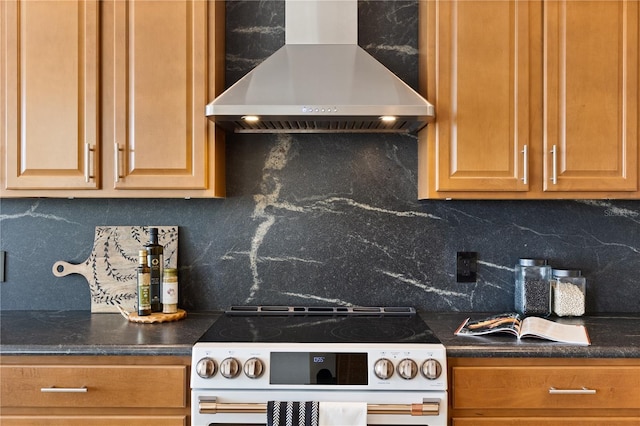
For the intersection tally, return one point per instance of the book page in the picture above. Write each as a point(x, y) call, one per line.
point(566, 333)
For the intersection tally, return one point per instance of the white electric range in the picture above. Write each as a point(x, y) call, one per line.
point(386, 357)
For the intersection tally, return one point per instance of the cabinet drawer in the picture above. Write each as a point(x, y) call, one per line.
point(93, 386)
point(547, 421)
point(93, 420)
point(530, 387)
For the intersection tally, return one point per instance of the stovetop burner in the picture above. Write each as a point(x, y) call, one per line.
point(358, 325)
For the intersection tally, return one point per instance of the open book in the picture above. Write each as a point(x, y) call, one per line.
point(528, 327)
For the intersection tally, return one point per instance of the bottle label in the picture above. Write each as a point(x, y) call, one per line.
point(155, 265)
point(144, 291)
point(170, 292)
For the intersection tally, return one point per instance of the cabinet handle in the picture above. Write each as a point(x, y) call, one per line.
point(116, 161)
point(554, 165)
point(582, 391)
point(54, 389)
point(525, 164)
point(87, 157)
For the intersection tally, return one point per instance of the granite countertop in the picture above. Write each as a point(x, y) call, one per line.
point(612, 336)
point(83, 333)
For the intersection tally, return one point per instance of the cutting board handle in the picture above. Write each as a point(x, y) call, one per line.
point(62, 268)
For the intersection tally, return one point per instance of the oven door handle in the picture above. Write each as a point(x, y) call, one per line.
point(209, 405)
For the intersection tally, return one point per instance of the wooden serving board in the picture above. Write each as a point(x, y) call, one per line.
point(155, 317)
point(110, 269)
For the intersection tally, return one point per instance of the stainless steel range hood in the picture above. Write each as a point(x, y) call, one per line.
point(320, 81)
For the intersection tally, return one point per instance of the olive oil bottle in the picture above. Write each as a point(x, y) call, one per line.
point(144, 284)
point(155, 260)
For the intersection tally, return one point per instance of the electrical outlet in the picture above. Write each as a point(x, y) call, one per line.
point(466, 266)
point(2, 257)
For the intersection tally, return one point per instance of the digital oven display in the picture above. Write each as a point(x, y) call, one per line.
point(318, 368)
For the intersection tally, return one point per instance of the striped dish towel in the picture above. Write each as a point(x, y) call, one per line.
point(290, 413)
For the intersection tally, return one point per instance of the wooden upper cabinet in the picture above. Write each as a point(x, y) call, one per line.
point(478, 79)
point(107, 99)
point(50, 93)
point(157, 89)
point(534, 100)
point(591, 95)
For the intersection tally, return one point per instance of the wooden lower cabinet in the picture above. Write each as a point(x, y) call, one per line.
point(547, 421)
point(97, 420)
point(544, 391)
point(94, 390)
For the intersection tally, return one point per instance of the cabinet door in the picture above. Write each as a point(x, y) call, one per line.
point(591, 95)
point(478, 79)
point(50, 94)
point(158, 85)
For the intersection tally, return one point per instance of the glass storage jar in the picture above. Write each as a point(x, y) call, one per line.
point(568, 289)
point(533, 291)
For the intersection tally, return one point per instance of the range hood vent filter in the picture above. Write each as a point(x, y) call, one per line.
point(318, 126)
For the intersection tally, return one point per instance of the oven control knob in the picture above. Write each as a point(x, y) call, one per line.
point(229, 368)
point(383, 368)
point(206, 368)
point(253, 368)
point(407, 369)
point(431, 369)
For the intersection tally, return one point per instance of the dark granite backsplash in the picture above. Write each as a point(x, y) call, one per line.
point(329, 219)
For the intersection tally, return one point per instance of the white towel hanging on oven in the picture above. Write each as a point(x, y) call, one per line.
point(343, 414)
point(292, 413)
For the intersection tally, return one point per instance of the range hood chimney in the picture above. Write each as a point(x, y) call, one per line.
point(320, 81)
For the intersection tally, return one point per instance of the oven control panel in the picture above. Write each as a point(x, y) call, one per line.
point(319, 366)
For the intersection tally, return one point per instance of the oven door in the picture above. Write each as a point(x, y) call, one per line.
point(248, 407)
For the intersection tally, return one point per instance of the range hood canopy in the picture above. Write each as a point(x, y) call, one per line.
point(320, 81)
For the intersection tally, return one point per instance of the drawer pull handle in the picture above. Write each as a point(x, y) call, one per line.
point(54, 389)
point(582, 391)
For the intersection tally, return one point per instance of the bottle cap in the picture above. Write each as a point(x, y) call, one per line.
point(170, 272)
point(566, 272)
point(532, 262)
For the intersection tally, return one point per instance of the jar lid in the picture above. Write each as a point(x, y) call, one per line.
point(532, 262)
point(566, 272)
point(170, 272)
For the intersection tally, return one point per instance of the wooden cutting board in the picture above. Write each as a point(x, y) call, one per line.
point(110, 269)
